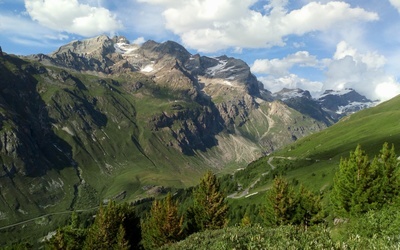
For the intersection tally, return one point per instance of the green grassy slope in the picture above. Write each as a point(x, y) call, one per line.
point(314, 159)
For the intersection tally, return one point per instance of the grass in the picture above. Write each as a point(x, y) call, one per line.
point(313, 160)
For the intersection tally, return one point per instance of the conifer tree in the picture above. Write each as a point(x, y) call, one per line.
point(308, 208)
point(121, 242)
point(391, 173)
point(282, 203)
point(350, 181)
point(286, 206)
point(209, 210)
point(106, 229)
point(163, 225)
point(69, 237)
point(361, 185)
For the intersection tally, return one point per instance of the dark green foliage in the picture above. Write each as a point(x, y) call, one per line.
point(286, 206)
point(69, 237)
point(391, 173)
point(115, 225)
point(282, 203)
point(361, 185)
point(238, 212)
point(163, 225)
point(209, 209)
point(122, 243)
point(309, 209)
point(228, 184)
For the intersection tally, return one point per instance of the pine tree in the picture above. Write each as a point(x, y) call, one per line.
point(281, 203)
point(105, 231)
point(308, 208)
point(286, 206)
point(349, 183)
point(121, 242)
point(68, 237)
point(163, 225)
point(361, 185)
point(209, 210)
point(391, 173)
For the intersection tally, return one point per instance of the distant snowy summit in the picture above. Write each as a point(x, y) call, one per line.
point(336, 103)
point(346, 101)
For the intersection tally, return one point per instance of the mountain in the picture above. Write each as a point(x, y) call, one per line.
point(302, 101)
point(344, 102)
point(103, 119)
point(331, 106)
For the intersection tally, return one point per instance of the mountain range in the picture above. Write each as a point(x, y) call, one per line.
point(105, 119)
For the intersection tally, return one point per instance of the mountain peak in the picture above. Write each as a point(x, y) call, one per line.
point(96, 47)
point(344, 101)
point(158, 50)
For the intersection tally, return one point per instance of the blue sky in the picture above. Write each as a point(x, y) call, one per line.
point(313, 45)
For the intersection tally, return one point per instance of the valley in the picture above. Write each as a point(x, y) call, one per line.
point(102, 119)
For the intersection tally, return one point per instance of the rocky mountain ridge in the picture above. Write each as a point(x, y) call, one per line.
point(101, 116)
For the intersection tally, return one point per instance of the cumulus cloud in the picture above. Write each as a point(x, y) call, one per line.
point(139, 40)
point(371, 59)
point(396, 4)
point(363, 71)
point(290, 81)
point(280, 67)
point(72, 17)
point(210, 25)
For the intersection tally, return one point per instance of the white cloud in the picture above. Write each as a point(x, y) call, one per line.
point(281, 67)
point(211, 25)
point(72, 17)
point(387, 89)
point(365, 72)
point(139, 40)
point(290, 81)
point(396, 4)
point(371, 59)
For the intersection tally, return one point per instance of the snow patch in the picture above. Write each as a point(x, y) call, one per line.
point(217, 68)
point(124, 48)
point(355, 106)
point(148, 68)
